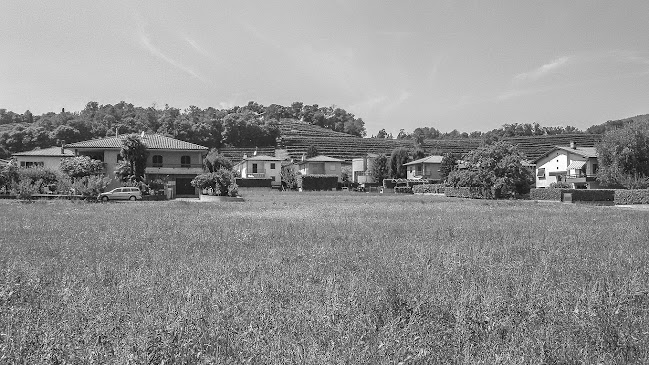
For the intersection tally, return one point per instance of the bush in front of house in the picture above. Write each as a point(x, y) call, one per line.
point(469, 192)
point(632, 196)
point(90, 186)
point(317, 182)
point(25, 188)
point(221, 182)
point(560, 185)
point(429, 189)
point(592, 195)
point(403, 190)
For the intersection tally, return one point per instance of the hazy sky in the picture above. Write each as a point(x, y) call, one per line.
point(470, 65)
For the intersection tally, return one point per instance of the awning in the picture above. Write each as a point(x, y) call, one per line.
point(576, 165)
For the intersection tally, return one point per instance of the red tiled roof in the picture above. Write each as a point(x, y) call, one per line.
point(151, 141)
point(50, 151)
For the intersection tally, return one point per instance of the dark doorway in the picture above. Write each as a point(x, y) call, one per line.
point(184, 186)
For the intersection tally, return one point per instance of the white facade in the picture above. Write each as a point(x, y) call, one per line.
point(261, 167)
point(576, 167)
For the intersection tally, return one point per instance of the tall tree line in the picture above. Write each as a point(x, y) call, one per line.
point(241, 126)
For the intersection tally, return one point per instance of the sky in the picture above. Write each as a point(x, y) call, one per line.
point(466, 65)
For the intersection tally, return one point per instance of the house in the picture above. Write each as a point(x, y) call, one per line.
point(573, 165)
point(171, 160)
point(425, 168)
point(49, 158)
point(321, 165)
point(360, 166)
point(260, 167)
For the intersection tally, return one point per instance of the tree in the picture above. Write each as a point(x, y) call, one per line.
point(80, 166)
point(449, 163)
point(379, 169)
point(623, 156)
point(382, 134)
point(134, 153)
point(497, 168)
point(399, 157)
point(221, 182)
point(214, 161)
point(312, 151)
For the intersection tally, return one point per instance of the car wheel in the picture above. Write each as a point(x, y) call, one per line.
point(104, 198)
point(132, 198)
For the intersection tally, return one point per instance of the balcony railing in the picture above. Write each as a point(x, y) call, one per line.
point(579, 175)
point(256, 175)
point(177, 165)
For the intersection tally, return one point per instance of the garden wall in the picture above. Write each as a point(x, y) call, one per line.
point(317, 182)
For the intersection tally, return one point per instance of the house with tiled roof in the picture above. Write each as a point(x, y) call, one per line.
point(260, 167)
point(569, 164)
point(321, 165)
point(171, 160)
point(360, 168)
point(43, 157)
point(425, 168)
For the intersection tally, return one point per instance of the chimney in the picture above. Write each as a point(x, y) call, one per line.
point(573, 145)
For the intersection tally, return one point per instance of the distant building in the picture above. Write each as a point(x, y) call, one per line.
point(171, 160)
point(360, 167)
point(43, 157)
point(573, 165)
point(321, 165)
point(425, 168)
point(261, 167)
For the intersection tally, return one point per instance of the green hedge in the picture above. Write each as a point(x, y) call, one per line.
point(582, 195)
point(465, 192)
point(254, 183)
point(317, 182)
point(391, 183)
point(403, 190)
point(429, 188)
point(632, 196)
point(546, 194)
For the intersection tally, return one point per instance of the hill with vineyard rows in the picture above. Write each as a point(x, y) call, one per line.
point(296, 137)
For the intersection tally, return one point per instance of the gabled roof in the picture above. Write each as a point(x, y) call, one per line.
point(151, 141)
point(262, 158)
point(320, 158)
point(586, 152)
point(429, 159)
point(50, 151)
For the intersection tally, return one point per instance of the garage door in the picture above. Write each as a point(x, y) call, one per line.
point(184, 186)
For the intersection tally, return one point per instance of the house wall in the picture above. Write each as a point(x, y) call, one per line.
point(429, 170)
point(263, 167)
point(322, 168)
point(360, 167)
point(49, 162)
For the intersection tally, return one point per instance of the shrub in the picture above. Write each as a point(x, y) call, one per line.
point(26, 188)
point(221, 182)
point(80, 166)
point(560, 185)
point(90, 186)
point(584, 195)
point(317, 182)
point(34, 174)
point(633, 196)
point(469, 192)
point(429, 189)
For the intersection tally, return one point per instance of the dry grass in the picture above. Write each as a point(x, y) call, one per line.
point(323, 278)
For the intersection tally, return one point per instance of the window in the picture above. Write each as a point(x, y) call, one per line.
point(254, 168)
point(185, 161)
point(273, 178)
point(540, 173)
point(272, 166)
point(31, 164)
point(595, 167)
point(157, 161)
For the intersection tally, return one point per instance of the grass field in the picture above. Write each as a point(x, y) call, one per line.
point(323, 278)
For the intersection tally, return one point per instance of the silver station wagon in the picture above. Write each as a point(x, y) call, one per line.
point(123, 193)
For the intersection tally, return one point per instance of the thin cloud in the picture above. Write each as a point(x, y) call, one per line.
point(197, 47)
point(146, 42)
point(543, 70)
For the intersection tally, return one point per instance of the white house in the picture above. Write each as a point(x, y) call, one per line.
point(425, 168)
point(573, 165)
point(261, 167)
point(49, 158)
point(321, 165)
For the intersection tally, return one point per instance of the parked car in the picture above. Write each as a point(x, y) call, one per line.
point(123, 193)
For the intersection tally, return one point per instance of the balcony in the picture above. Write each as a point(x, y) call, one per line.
point(255, 176)
point(170, 168)
point(581, 177)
